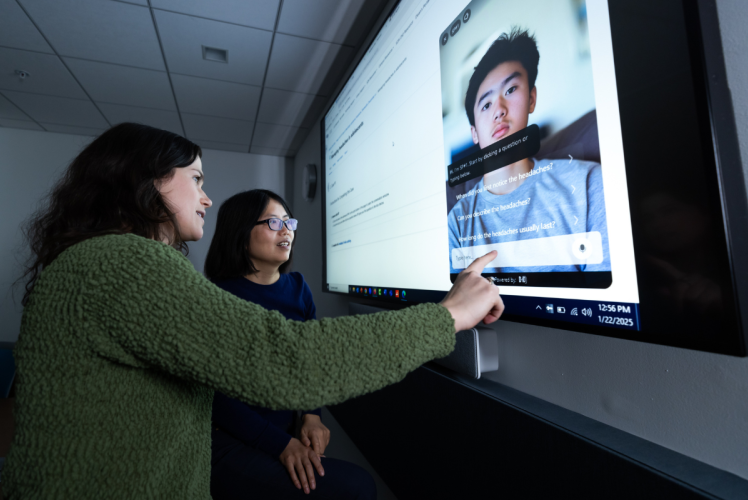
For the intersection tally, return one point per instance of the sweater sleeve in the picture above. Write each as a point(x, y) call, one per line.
point(310, 314)
point(144, 303)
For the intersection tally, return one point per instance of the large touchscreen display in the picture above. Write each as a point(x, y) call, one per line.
point(490, 125)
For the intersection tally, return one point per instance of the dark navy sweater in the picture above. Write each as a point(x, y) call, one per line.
point(262, 428)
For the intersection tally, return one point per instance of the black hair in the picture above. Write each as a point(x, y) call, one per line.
point(109, 188)
point(228, 255)
point(519, 46)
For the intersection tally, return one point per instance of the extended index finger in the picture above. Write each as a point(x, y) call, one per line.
point(478, 264)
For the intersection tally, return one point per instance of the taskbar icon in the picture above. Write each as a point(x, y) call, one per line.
point(377, 292)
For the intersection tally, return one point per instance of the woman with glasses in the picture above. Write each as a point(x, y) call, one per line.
point(254, 449)
point(123, 343)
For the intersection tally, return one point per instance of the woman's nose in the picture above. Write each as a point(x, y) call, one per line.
point(207, 202)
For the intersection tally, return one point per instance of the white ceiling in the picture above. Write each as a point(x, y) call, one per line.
point(96, 63)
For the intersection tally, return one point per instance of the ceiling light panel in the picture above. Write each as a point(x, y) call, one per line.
point(216, 55)
point(253, 13)
point(17, 30)
point(59, 110)
point(113, 32)
point(123, 85)
point(249, 48)
point(301, 65)
point(48, 75)
point(326, 20)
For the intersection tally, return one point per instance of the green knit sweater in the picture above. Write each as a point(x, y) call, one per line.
point(122, 345)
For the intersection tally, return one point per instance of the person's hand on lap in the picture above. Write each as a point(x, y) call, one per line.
point(314, 433)
point(300, 461)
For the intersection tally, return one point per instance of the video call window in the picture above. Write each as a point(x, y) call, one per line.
point(522, 153)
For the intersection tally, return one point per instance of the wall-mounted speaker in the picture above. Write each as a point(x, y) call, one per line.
point(309, 180)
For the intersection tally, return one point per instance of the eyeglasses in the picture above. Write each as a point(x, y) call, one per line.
point(277, 224)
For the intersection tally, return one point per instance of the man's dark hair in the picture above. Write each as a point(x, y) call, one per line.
point(228, 255)
point(518, 45)
point(109, 188)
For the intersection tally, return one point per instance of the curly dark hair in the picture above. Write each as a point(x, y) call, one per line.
point(109, 188)
point(228, 255)
point(518, 45)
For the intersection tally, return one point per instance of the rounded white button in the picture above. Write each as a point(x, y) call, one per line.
point(581, 249)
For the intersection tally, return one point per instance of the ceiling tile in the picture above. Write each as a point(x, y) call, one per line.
point(47, 74)
point(282, 107)
point(224, 146)
point(274, 136)
point(123, 84)
point(301, 65)
point(184, 36)
point(165, 120)
point(69, 129)
point(257, 13)
point(10, 110)
point(28, 125)
point(272, 151)
point(215, 98)
point(60, 110)
point(210, 128)
point(328, 20)
point(115, 32)
point(17, 30)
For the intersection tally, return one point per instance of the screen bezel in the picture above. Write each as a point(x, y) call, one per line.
point(719, 133)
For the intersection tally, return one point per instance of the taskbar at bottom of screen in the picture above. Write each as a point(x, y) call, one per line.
point(588, 312)
point(389, 294)
point(623, 315)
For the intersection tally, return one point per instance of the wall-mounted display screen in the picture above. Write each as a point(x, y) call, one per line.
point(567, 135)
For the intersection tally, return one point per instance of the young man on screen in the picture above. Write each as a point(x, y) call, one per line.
point(561, 196)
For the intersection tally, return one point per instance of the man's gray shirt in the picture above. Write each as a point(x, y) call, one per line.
point(569, 192)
